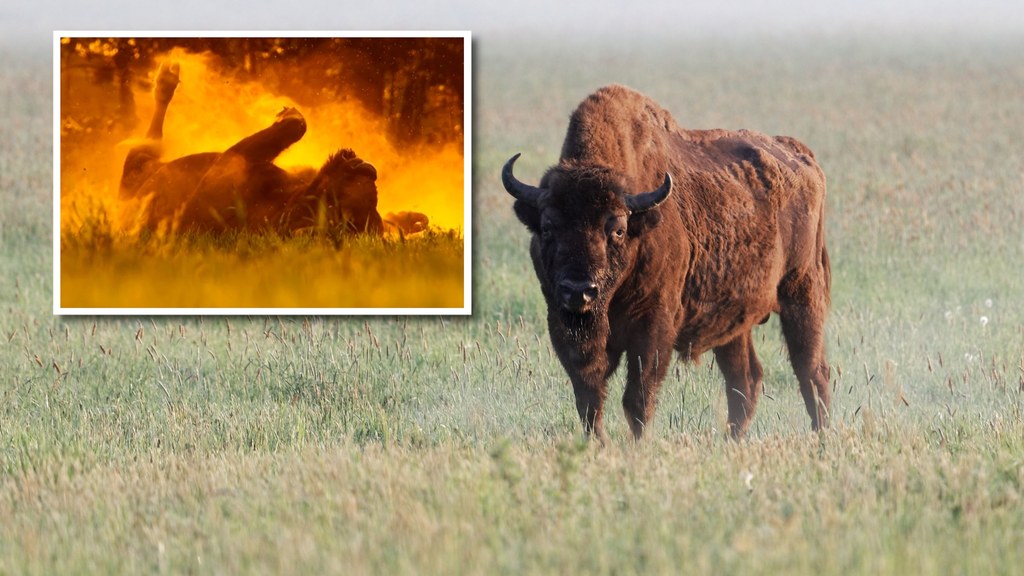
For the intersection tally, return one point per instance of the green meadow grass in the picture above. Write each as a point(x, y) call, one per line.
point(451, 445)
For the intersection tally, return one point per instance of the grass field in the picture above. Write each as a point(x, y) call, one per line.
point(433, 445)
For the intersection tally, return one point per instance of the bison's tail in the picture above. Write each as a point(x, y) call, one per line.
point(825, 264)
point(828, 275)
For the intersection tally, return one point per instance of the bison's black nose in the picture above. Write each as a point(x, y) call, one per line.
point(577, 295)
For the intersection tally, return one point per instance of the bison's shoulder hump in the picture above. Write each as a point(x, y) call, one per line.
point(617, 104)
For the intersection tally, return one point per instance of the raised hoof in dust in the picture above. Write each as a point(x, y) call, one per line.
point(166, 81)
point(289, 114)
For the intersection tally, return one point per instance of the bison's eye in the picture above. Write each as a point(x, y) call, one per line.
point(615, 228)
point(545, 231)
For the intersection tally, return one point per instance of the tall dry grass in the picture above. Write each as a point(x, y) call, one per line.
point(424, 445)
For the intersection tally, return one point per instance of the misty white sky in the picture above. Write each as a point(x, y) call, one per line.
point(29, 23)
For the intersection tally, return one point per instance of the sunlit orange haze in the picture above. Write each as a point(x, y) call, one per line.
point(217, 104)
point(212, 109)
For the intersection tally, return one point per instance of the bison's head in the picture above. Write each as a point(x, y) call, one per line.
point(341, 197)
point(586, 228)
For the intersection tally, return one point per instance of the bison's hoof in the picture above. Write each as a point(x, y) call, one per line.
point(167, 79)
point(290, 124)
point(288, 114)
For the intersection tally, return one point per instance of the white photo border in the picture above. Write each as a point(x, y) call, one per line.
point(467, 229)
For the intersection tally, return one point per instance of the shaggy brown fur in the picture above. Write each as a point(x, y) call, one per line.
point(741, 235)
point(242, 188)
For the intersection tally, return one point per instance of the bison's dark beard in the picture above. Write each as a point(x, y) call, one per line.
point(581, 326)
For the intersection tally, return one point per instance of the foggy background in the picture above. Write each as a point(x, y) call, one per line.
point(28, 24)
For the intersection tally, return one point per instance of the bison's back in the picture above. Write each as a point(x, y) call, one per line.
point(757, 159)
point(619, 127)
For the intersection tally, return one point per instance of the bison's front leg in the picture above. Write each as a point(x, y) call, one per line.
point(648, 358)
point(588, 364)
point(588, 384)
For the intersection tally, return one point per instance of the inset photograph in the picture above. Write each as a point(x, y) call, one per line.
point(255, 173)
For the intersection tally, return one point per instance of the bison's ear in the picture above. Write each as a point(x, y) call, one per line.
point(644, 221)
point(528, 214)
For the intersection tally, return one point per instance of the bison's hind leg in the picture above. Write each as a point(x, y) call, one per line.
point(803, 301)
point(144, 157)
point(166, 82)
point(742, 370)
point(168, 76)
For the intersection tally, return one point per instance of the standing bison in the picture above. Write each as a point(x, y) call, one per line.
point(242, 189)
point(649, 238)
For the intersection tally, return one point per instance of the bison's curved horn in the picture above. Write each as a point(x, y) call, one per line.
point(642, 202)
point(528, 194)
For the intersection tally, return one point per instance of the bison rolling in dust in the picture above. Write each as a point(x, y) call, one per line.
point(649, 238)
point(242, 189)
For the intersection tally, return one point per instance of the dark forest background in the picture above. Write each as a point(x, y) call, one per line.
point(414, 85)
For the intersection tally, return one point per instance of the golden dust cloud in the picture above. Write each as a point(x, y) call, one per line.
point(213, 108)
